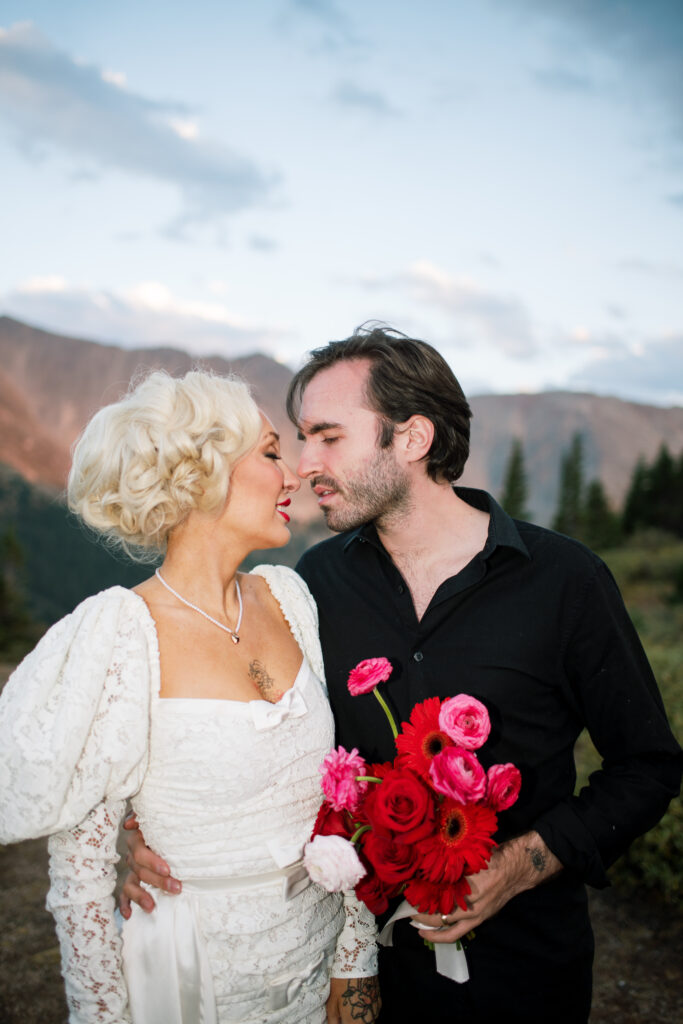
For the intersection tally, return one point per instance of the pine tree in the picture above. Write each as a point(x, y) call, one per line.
point(662, 511)
point(569, 514)
point(515, 491)
point(18, 632)
point(600, 527)
point(635, 514)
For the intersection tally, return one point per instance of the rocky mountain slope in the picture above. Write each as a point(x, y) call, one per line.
point(51, 384)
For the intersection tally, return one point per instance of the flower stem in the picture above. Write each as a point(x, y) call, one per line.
point(367, 778)
point(387, 712)
point(359, 832)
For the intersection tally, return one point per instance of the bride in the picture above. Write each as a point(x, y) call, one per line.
point(198, 696)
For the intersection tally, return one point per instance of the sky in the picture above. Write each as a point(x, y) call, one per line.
point(503, 179)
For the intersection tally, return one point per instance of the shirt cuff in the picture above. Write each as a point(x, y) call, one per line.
point(565, 835)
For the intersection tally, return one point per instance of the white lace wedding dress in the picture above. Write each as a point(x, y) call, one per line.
point(226, 791)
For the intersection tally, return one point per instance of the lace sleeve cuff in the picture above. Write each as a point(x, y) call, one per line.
point(81, 900)
point(356, 953)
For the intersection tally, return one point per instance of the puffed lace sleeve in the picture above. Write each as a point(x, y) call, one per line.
point(74, 722)
point(356, 953)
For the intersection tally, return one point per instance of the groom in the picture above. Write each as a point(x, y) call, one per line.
point(461, 598)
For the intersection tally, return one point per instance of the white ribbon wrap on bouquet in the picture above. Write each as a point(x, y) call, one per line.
point(450, 956)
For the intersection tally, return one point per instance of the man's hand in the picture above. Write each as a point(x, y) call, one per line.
point(145, 867)
point(353, 999)
point(515, 866)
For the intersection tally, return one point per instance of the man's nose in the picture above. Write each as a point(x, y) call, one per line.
point(308, 463)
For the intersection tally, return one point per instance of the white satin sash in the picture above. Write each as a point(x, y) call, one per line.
point(165, 962)
point(166, 965)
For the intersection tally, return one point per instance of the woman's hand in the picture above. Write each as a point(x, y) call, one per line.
point(353, 999)
point(145, 867)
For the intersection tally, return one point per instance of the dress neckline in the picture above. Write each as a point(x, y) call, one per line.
point(229, 700)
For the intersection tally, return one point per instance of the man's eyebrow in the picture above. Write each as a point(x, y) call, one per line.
point(317, 428)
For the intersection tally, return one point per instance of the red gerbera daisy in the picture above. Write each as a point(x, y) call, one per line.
point(421, 739)
point(436, 899)
point(461, 845)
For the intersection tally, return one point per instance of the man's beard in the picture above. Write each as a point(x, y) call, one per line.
point(379, 493)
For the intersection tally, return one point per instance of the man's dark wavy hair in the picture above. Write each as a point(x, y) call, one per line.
point(407, 378)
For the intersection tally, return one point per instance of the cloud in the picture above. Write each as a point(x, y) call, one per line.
point(651, 268)
point(54, 103)
point(348, 94)
point(563, 80)
point(146, 314)
point(334, 30)
point(644, 39)
point(501, 321)
point(651, 371)
point(262, 243)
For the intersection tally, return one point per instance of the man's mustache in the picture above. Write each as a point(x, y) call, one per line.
point(324, 481)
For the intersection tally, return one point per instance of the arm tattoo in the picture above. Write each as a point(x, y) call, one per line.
point(363, 999)
point(538, 859)
point(265, 685)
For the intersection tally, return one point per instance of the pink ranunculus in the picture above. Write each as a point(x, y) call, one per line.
point(457, 773)
point(332, 862)
point(367, 674)
point(465, 720)
point(503, 782)
point(339, 779)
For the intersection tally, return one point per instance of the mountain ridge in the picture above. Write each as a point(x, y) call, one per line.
point(50, 385)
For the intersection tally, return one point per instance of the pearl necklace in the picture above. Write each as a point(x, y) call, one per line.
point(233, 632)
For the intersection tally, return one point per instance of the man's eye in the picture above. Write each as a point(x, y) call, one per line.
point(329, 440)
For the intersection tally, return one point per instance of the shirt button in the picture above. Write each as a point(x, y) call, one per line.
point(418, 656)
point(400, 588)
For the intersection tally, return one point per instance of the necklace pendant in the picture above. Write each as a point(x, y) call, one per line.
point(234, 637)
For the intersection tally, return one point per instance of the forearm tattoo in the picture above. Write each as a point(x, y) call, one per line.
point(265, 685)
point(538, 859)
point(363, 999)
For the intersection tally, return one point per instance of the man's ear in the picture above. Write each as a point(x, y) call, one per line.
point(414, 438)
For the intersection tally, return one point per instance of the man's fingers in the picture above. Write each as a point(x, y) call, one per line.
point(452, 934)
point(158, 881)
point(124, 906)
point(133, 892)
point(141, 860)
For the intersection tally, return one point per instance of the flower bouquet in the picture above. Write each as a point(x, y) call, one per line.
point(419, 825)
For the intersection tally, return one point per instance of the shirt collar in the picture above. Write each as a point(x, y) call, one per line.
point(503, 530)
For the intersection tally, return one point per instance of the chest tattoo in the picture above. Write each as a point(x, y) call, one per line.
point(265, 685)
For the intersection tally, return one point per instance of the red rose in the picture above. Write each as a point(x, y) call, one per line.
point(394, 862)
point(332, 823)
point(375, 893)
point(401, 803)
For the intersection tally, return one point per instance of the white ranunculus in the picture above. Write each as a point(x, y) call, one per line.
point(332, 862)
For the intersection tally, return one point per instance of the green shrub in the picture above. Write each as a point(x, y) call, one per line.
point(648, 578)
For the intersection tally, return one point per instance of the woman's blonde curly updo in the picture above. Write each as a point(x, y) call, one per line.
point(144, 463)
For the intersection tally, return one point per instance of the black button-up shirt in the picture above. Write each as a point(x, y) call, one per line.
point(534, 627)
